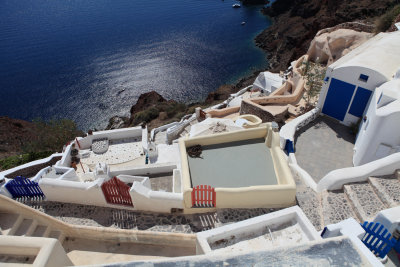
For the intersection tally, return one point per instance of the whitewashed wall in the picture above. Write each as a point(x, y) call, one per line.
point(335, 179)
point(351, 74)
point(86, 141)
point(156, 201)
point(88, 193)
point(379, 135)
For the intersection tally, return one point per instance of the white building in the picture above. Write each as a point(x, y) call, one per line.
point(350, 81)
point(268, 82)
point(379, 134)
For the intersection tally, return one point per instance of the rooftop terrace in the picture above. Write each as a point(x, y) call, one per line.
point(324, 145)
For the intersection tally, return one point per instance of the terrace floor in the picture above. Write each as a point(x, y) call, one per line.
point(324, 145)
point(161, 182)
point(119, 151)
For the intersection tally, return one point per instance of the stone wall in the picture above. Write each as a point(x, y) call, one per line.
point(249, 108)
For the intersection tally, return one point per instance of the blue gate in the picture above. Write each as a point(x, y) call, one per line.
point(338, 99)
point(21, 187)
point(360, 101)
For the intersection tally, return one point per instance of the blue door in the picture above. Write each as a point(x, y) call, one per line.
point(360, 101)
point(338, 99)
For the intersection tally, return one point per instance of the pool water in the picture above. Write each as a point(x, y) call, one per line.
point(234, 164)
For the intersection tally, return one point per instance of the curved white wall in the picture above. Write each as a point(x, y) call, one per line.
point(379, 135)
point(351, 74)
point(335, 180)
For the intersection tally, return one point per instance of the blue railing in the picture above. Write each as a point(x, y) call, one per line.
point(377, 238)
point(21, 187)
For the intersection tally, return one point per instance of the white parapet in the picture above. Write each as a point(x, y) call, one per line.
point(86, 193)
point(146, 199)
point(288, 130)
point(389, 218)
point(47, 252)
point(353, 230)
point(335, 179)
point(286, 227)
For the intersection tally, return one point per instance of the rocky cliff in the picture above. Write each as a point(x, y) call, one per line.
point(13, 134)
point(295, 23)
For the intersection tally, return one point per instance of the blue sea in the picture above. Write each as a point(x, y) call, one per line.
point(90, 60)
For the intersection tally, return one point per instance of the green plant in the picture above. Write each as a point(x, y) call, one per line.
point(314, 74)
point(384, 22)
point(14, 161)
point(50, 136)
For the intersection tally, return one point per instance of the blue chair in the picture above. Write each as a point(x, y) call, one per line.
point(378, 239)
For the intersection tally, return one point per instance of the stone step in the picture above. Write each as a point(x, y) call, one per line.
point(366, 204)
point(310, 203)
point(388, 190)
point(336, 207)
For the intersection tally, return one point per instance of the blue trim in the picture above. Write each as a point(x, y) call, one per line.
point(21, 187)
point(363, 78)
point(323, 231)
point(360, 101)
point(338, 99)
point(377, 239)
point(380, 97)
point(289, 147)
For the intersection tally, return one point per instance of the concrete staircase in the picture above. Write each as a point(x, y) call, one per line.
point(13, 224)
point(361, 201)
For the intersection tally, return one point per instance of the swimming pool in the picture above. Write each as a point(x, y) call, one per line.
point(229, 165)
point(241, 169)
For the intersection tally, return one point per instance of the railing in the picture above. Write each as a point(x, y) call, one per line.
point(377, 238)
point(21, 187)
point(203, 196)
point(116, 192)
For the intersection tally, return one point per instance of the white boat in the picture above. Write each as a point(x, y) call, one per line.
point(236, 5)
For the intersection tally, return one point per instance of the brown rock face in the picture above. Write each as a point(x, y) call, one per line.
point(222, 93)
point(297, 21)
point(13, 134)
point(147, 100)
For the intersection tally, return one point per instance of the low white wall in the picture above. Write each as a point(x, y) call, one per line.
point(288, 130)
point(146, 199)
point(161, 128)
point(177, 181)
point(145, 170)
point(254, 225)
point(334, 180)
point(88, 193)
point(86, 142)
point(66, 157)
point(4, 174)
point(389, 218)
point(173, 132)
point(145, 139)
point(304, 175)
point(131, 179)
point(40, 174)
point(352, 229)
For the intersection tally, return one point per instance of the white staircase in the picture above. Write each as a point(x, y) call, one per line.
point(12, 224)
point(361, 201)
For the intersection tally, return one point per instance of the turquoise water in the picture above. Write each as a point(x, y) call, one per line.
point(90, 60)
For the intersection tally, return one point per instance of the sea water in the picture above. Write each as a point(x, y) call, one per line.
point(90, 60)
